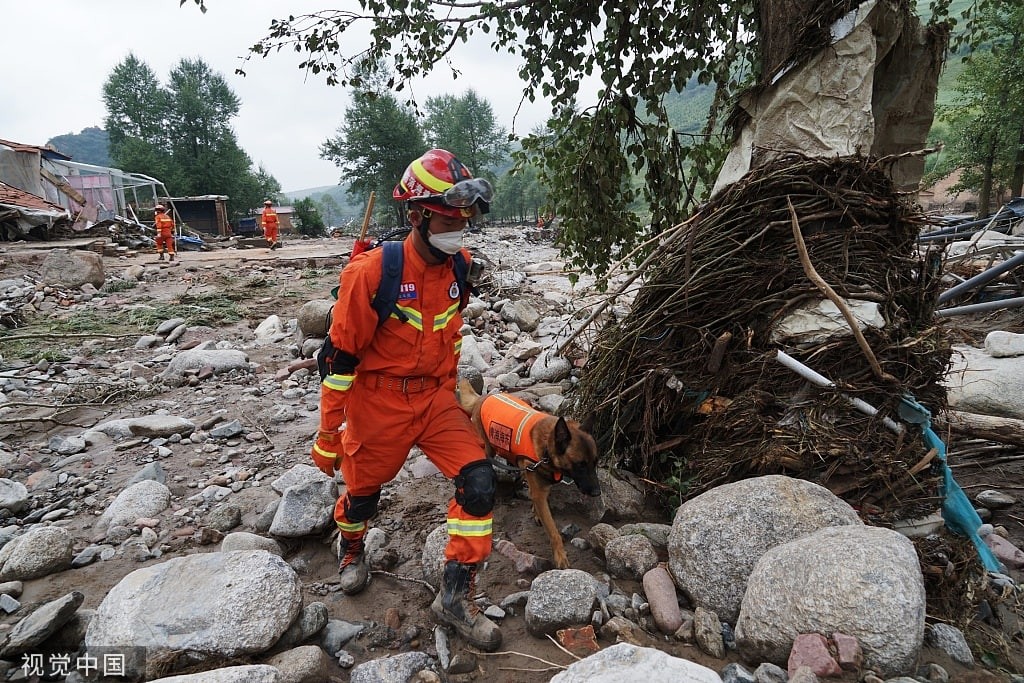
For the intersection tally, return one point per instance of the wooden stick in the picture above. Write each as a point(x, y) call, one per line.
point(819, 282)
point(987, 427)
point(367, 215)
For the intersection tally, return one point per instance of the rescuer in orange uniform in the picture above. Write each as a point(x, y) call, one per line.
point(270, 223)
point(164, 225)
point(394, 387)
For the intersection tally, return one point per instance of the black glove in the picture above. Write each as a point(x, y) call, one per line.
point(334, 361)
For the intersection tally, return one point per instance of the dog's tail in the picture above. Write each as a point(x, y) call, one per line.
point(467, 395)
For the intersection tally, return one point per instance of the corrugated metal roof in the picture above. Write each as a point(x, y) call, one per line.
point(15, 197)
point(44, 151)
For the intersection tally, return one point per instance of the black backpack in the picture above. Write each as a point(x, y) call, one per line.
point(385, 301)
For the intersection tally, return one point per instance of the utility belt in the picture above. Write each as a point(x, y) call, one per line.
point(406, 385)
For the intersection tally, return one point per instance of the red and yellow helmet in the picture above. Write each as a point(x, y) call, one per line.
point(441, 183)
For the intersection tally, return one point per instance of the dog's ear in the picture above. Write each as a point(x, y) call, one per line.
point(588, 423)
point(563, 437)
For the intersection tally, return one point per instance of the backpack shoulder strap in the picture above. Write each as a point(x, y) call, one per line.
point(386, 300)
point(461, 268)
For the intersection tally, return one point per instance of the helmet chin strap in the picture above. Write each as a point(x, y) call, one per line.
point(425, 234)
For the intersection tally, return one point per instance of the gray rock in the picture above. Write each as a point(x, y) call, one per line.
point(8, 604)
point(950, 640)
point(248, 673)
point(718, 536)
point(213, 604)
point(13, 496)
point(399, 668)
point(766, 672)
point(40, 551)
point(549, 367)
point(146, 498)
point(146, 425)
point(243, 540)
point(630, 557)
point(221, 360)
point(300, 474)
point(624, 662)
point(559, 598)
point(522, 314)
point(226, 430)
point(862, 581)
point(305, 509)
point(994, 500)
point(306, 664)
point(337, 633)
point(978, 383)
point(224, 517)
point(40, 624)
point(72, 268)
point(310, 622)
point(312, 317)
point(657, 534)
point(165, 328)
point(737, 673)
point(432, 558)
point(707, 631)
point(67, 445)
point(151, 471)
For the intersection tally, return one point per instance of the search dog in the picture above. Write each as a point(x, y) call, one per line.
point(542, 447)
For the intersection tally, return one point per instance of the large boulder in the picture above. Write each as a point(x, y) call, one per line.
point(980, 383)
point(40, 551)
point(211, 605)
point(147, 498)
point(72, 268)
point(862, 581)
point(718, 536)
point(312, 318)
point(626, 662)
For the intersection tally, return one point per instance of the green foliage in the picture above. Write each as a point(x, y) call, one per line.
point(91, 146)
point(376, 142)
point(466, 127)
point(182, 134)
point(983, 127)
point(310, 222)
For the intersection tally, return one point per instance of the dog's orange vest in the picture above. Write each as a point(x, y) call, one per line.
point(508, 422)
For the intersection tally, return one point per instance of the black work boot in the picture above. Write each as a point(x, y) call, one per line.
point(161, 256)
point(454, 606)
point(354, 572)
point(172, 257)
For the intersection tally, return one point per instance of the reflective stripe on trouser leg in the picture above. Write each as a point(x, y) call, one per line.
point(469, 537)
point(352, 512)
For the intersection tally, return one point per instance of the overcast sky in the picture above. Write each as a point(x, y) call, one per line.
point(58, 53)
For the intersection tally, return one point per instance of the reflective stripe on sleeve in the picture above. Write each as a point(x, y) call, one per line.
point(339, 382)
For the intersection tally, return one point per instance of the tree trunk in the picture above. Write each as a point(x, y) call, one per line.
point(985, 194)
point(1017, 181)
point(778, 20)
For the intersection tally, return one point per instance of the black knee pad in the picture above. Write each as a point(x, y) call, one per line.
point(360, 508)
point(474, 488)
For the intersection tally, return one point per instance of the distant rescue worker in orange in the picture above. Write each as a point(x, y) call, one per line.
point(392, 384)
point(164, 225)
point(270, 223)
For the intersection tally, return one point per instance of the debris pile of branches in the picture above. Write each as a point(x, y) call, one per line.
point(688, 387)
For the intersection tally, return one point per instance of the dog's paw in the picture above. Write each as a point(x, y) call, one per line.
point(561, 561)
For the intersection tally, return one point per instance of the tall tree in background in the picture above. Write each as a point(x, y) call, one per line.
point(182, 134)
point(330, 209)
point(136, 120)
point(377, 140)
point(986, 119)
point(466, 127)
point(199, 124)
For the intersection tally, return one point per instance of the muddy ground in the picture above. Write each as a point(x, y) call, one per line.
point(262, 283)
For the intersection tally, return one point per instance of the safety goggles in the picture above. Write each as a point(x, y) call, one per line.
point(465, 193)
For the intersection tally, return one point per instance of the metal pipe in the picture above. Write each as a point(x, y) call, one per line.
point(982, 278)
point(979, 308)
point(822, 381)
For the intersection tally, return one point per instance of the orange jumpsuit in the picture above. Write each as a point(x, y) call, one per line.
point(164, 225)
point(269, 222)
point(402, 392)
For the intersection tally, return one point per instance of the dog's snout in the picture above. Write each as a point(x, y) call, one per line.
point(586, 479)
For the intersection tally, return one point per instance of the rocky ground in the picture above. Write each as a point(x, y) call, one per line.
point(99, 354)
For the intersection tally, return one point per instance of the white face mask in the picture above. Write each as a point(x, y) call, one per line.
point(448, 242)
